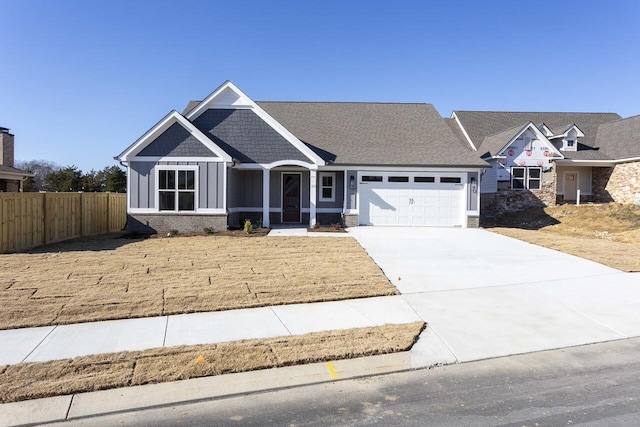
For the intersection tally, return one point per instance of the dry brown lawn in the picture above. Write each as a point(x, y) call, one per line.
point(90, 373)
point(605, 233)
point(101, 279)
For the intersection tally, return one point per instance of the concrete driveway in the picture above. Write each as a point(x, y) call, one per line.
point(486, 295)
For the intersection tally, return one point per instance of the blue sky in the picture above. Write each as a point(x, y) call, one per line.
point(81, 80)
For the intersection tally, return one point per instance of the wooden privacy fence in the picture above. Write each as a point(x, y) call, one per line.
point(28, 220)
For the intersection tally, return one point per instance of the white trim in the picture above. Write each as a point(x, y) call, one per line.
point(241, 209)
point(278, 164)
point(247, 102)
point(464, 132)
point(351, 211)
point(148, 211)
point(129, 188)
point(224, 186)
point(562, 162)
point(344, 193)
point(579, 133)
point(156, 212)
point(266, 181)
point(156, 159)
point(538, 134)
point(282, 196)
point(313, 196)
point(164, 124)
point(627, 160)
point(370, 168)
point(332, 175)
point(323, 210)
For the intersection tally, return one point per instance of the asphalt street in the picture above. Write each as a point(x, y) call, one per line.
point(590, 385)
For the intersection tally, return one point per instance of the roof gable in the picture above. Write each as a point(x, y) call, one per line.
point(538, 135)
point(229, 97)
point(169, 132)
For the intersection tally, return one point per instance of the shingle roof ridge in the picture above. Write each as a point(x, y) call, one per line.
point(619, 120)
point(346, 102)
point(533, 112)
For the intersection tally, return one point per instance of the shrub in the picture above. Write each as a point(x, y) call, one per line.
point(208, 230)
point(248, 227)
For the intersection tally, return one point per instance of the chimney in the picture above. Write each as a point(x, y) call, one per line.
point(6, 147)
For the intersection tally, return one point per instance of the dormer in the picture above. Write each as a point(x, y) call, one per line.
point(545, 130)
point(570, 138)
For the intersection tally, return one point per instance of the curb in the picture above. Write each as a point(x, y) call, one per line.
point(91, 404)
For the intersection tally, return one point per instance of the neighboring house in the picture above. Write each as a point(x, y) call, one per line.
point(541, 159)
point(228, 158)
point(11, 178)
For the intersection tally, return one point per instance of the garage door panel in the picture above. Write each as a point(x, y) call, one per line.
point(409, 203)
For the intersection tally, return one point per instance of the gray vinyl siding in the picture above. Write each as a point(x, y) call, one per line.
point(339, 191)
point(143, 189)
point(489, 183)
point(245, 188)
point(176, 141)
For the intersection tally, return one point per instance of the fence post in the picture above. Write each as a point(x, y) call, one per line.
point(45, 225)
point(82, 214)
point(108, 211)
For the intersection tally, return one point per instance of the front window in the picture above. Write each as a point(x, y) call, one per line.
point(525, 177)
point(177, 190)
point(534, 178)
point(517, 178)
point(327, 187)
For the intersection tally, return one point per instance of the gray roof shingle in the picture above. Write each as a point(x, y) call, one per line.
point(176, 141)
point(486, 127)
point(354, 133)
point(246, 137)
point(620, 139)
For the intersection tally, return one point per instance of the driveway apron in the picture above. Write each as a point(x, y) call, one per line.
point(486, 295)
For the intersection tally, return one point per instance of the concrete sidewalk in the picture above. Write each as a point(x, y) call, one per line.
point(68, 341)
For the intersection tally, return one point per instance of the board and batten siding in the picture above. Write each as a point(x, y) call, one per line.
point(143, 188)
point(245, 188)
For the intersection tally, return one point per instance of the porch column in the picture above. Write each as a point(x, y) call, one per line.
point(266, 173)
point(312, 197)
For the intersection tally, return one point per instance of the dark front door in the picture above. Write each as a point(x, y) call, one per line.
point(291, 197)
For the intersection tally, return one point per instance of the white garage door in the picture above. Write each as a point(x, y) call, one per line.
point(411, 199)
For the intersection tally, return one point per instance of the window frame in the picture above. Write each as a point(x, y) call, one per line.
point(523, 178)
point(526, 178)
point(176, 190)
point(322, 187)
point(529, 179)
